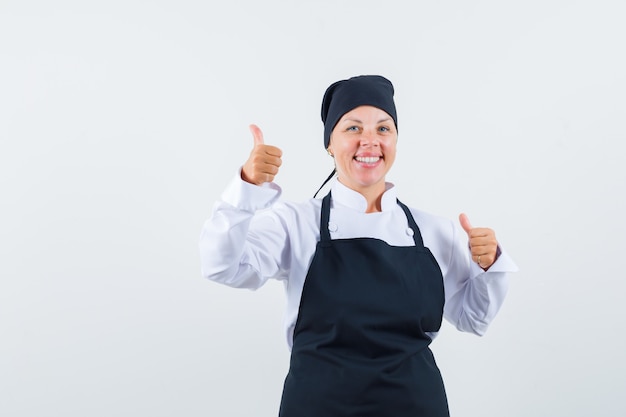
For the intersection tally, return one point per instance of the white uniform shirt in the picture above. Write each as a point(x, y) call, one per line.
point(252, 237)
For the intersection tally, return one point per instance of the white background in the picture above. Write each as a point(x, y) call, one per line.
point(122, 121)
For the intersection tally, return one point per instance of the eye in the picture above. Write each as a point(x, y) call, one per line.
point(384, 129)
point(352, 129)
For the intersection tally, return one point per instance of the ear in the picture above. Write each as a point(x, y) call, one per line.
point(330, 152)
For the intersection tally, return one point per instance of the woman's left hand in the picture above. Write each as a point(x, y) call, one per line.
point(482, 241)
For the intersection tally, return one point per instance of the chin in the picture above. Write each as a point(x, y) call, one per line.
point(370, 182)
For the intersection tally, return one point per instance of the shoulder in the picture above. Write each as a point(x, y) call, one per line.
point(294, 215)
point(433, 226)
point(429, 219)
point(442, 236)
point(303, 209)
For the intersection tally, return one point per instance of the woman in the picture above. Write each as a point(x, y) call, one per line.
point(368, 280)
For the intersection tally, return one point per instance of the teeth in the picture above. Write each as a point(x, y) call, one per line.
point(368, 159)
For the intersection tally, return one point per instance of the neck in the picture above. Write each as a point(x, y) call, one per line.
point(373, 195)
point(374, 198)
point(374, 206)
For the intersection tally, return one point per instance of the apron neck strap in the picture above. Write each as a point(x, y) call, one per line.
point(325, 217)
point(417, 236)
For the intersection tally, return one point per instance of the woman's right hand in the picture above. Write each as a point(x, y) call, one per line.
point(264, 161)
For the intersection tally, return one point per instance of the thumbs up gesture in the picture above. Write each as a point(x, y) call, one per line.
point(264, 161)
point(482, 242)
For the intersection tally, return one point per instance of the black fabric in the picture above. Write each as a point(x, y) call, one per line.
point(332, 174)
point(360, 345)
point(345, 95)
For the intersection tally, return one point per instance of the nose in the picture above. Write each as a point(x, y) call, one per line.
point(369, 138)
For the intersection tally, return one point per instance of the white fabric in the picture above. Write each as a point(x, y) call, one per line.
point(251, 237)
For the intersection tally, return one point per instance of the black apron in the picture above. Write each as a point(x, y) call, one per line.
point(360, 347)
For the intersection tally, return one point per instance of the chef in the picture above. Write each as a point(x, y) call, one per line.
point(368, 279)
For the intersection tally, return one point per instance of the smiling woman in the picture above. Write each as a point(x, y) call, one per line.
point(368, 279)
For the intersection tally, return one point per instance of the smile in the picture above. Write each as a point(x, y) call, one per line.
point(367, 159)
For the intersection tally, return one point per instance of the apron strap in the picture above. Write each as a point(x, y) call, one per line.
point(325, 217)
point(417, 235)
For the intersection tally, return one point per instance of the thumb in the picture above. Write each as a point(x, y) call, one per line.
point(465, 223)
point(257, 135)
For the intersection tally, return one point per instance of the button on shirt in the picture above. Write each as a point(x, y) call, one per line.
point(252, 237)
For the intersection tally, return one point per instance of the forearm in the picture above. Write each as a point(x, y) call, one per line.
point(475, 305)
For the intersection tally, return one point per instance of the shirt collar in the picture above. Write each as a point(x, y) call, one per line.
point(353, 199)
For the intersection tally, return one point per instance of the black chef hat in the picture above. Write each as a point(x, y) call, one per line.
point(345, 95)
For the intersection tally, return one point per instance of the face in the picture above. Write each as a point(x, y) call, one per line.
point(363, 144)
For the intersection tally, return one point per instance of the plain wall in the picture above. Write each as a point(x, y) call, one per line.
point(122, 121)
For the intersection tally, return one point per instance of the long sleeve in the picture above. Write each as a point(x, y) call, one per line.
point(252, 237)
point(474, 296)
point(242, 244)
